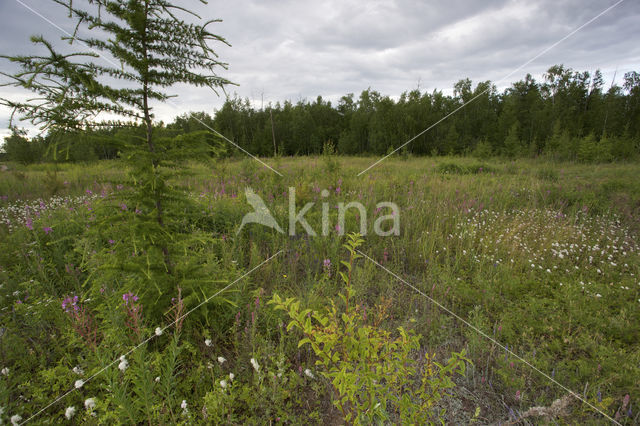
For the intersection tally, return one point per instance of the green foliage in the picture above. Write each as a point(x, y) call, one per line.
point(512, 144)
point(373, 372)
point(483, 150)
point(331, 163)
point(20, 149)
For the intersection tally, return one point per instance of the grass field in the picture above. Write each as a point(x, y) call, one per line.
point(542, 258)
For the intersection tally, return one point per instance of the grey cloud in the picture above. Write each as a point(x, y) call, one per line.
point(298, 50)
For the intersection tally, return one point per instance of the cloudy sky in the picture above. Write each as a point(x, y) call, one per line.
point(300, 49)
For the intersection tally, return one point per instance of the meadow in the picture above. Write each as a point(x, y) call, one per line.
point(541, 257)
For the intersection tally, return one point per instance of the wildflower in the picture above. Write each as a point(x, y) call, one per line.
point(598, 295)
point(16, 419)
point(129, 297)
point(47, 229)
point(123, 364)
point(308, 373)
point(157, 379)
point(89, 404)
point(158, 331)
point(221, 359)
point(231, 376)
point(326, 265)
point(255, 364)
point(70, 302)
point(78, 384)
point(207, 342)
point(71, 411)
point(223, 384)
point(29, 224)
point(183, 405)
point(5, 371)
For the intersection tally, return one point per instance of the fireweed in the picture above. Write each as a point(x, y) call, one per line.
point(82, 321)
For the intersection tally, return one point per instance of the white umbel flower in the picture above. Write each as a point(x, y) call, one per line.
point(158, 331)
point(207, 342)
point(123, 364)
point(309, 374)
point(222, 359)
point(78, 384)
point(223, 384)
point(231, 376)
point(255, 364)
point(5, 371)
point(16, 419)
point(70, 412)
point(89, 404)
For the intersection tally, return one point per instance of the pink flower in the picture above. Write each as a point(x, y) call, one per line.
point(47, 229)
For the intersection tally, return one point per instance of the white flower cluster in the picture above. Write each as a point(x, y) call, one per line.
point(124, 364)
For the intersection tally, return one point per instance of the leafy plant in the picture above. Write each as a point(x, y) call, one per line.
point(371, 369)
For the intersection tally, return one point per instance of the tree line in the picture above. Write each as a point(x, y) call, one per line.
point(569, 115)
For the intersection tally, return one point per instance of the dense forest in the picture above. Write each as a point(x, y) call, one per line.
point(570, 115)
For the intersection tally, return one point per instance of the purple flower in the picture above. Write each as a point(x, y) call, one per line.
point(129, 297)
point(123, 206)
point(47, 229)
point(70, 303)
point(326, 266)
point(112, 242)
point(29, 224)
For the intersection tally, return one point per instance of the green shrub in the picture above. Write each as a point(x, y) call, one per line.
point(370, 369)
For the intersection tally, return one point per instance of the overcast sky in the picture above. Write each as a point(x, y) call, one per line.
point(301, 49)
